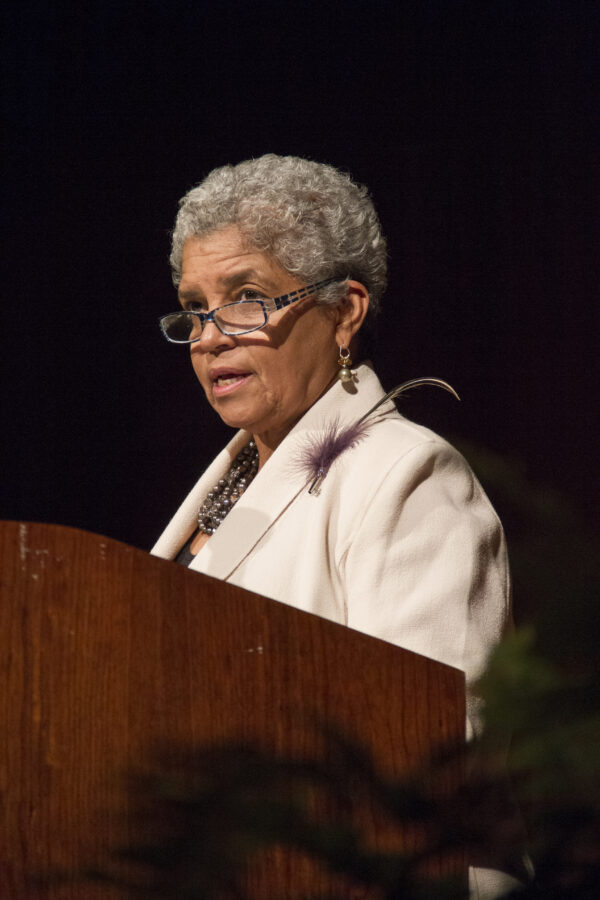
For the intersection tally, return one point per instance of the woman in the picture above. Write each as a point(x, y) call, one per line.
point(398, 539)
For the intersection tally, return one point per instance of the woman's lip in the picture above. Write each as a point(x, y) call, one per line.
point(237, 380)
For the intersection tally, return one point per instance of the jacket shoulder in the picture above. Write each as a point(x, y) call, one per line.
point(394, 438)
point(398, 457)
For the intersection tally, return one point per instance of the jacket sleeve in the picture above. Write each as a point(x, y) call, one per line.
point(426, 565)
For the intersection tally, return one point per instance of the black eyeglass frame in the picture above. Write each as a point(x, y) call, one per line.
point(268, 306)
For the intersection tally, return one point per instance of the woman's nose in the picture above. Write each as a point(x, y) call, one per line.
point(212, 339)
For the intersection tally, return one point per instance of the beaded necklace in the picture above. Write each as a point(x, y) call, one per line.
point(228, 490)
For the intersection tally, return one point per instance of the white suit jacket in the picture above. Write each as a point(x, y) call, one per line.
point(401, 543)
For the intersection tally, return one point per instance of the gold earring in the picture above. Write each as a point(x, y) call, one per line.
point(344, 362)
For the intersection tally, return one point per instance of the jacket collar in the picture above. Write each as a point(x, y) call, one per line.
point(273, 489)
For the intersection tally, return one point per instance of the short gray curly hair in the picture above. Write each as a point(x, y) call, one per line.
point(312, 218)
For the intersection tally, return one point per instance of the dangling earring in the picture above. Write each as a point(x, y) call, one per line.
point(344, 362)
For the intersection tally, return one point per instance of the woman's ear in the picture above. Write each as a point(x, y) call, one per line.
point(351, 312)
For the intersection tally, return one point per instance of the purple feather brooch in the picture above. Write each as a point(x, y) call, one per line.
point(317, 457)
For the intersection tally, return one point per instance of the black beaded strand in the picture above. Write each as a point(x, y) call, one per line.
point(228, 490)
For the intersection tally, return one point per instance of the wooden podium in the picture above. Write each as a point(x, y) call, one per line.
point(107, 651)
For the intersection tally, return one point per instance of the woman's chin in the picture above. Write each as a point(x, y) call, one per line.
point(234, 416)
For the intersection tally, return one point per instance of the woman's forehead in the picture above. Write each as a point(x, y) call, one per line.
point(226, 257)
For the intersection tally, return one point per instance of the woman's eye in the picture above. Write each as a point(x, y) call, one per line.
point(195, 306)
point(251, 294)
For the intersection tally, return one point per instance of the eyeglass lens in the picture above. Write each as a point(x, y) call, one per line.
point(241, 316)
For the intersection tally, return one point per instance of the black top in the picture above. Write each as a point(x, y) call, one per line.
point(185, 555)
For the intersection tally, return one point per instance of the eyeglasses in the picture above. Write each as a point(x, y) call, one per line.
point(241, 317)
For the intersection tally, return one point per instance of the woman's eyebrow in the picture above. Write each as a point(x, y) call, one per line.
point(227, 282)
point(189, 295)
point(238, 277)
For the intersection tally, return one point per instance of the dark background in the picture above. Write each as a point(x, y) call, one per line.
point(475, 126)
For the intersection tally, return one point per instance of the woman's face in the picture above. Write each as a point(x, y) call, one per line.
point(263, 381)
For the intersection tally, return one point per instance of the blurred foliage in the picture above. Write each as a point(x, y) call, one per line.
point(203, 818)
point(552, 719)
point(542, 684)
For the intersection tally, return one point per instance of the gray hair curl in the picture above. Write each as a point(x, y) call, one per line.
point(312, 218)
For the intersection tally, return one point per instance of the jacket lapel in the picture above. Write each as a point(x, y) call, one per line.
point(277, 484)
point(184, 522)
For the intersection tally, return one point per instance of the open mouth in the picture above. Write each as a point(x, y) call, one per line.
point(225, 382)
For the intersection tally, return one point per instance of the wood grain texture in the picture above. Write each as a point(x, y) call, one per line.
point(107, 652)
